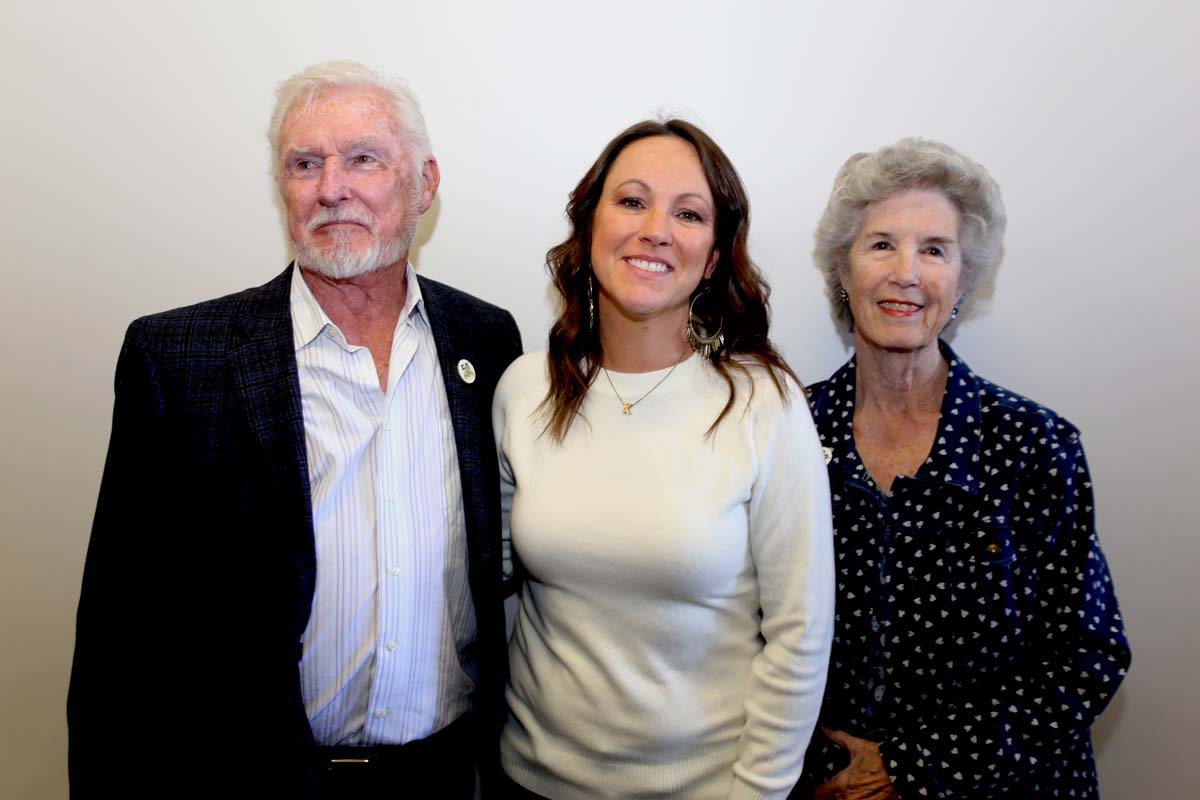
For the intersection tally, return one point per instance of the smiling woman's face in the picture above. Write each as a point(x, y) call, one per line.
point(904, 270)
point(653, 231)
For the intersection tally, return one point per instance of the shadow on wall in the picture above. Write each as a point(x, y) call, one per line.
point(1110, 720)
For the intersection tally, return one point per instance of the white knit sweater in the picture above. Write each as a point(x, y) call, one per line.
point(640, 665)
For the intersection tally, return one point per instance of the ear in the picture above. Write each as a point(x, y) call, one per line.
point(431, 178)
point(843, 272)
point(958, 306)
point(713, 257)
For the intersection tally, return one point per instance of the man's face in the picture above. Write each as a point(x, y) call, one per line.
point(352, 196)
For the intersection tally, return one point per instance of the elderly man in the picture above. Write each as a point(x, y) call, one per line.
point(294, 583)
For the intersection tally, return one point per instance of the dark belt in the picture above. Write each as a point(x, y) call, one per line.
point(441, 765)
point(451, 743)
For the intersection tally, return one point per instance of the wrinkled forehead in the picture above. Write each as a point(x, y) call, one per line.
point(338, 114)
point(925, 209)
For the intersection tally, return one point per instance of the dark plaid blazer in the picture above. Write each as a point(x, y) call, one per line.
point(200, 572)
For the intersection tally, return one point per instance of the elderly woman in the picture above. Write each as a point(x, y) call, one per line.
point(669, 503)
point(977, 635)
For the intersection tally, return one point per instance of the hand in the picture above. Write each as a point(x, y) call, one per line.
point(865, 779)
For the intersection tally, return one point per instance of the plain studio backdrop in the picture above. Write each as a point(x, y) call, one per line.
point(135, 178)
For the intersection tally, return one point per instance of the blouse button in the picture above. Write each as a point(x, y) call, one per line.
point(994, 549)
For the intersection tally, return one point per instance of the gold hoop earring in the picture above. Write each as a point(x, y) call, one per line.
point(707, 346)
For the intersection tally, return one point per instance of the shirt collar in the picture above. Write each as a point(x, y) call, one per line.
point(955, 453)
point(309, 320)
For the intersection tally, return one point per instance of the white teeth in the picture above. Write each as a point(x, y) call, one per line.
point(649, 266)
point(899, 306)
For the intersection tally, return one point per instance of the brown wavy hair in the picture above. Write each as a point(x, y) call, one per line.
point(737, 292)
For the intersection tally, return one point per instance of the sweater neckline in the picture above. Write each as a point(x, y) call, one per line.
point(637, 383)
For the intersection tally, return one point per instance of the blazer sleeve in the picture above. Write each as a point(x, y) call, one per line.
point(113, 670)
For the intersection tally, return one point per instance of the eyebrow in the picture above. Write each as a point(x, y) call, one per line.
point(368, 143)
point(926, 240)
point(646, 186)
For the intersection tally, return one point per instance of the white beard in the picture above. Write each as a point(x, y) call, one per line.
point(341, 260)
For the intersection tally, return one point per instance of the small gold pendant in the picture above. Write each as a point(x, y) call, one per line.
point(626, 408)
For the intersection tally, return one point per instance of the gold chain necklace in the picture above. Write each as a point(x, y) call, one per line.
point(627, 408)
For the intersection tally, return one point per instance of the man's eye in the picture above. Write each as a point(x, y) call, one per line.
point(363, 158)
point(935, 251)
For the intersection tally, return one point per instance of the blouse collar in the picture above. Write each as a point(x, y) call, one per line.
point(954, 457)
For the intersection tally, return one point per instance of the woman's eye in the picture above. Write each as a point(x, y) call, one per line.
point(632, 202)
point(690, 216)
point(881, 246)
point(935, 251)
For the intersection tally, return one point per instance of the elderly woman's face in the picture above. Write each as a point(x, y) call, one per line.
point(904, 271)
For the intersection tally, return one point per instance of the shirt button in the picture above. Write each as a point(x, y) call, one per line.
point(394, 570)
point(381, 713)
point(392, 645)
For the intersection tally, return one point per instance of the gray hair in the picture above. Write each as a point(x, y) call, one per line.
point(911, 164)
point(304, 88)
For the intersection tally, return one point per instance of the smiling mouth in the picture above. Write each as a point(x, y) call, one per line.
point(900, 306)
point(647, 266)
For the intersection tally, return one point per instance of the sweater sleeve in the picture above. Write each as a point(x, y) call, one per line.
point(791, 543)
point(500, 403)
point(1074, 653)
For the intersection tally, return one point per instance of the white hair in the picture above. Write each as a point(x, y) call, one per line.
point(305, 88)
point(866, 178)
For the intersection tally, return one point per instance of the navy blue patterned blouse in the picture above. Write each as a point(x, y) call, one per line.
point(977, 636)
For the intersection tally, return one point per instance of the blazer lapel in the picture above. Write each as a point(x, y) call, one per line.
point(267, 384)
point(455, 342)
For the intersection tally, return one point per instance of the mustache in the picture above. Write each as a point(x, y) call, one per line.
point(331, 215)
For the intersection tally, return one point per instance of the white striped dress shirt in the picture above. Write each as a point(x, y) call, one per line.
point(392, 614)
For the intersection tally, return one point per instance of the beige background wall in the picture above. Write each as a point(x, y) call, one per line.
point(134, 177)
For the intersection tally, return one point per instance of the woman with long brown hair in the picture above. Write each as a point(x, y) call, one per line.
point(668, 500)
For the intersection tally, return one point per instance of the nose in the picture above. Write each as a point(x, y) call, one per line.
point(333, 187)
point(656, 227)
point(906, 268)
